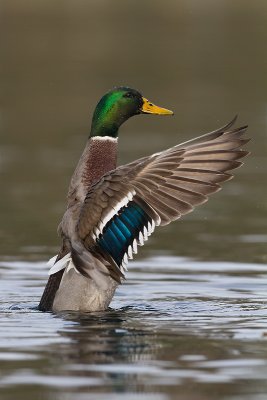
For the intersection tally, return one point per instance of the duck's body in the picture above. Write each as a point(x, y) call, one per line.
point(111, 210)
point(78, 293)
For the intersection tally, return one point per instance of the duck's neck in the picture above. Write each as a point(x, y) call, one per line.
point(98, 158)
point(107, 119)
point(104, 129)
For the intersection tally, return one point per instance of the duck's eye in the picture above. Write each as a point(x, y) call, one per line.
point(129, 95)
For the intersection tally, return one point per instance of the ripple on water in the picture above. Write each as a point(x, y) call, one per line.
point(174, 321)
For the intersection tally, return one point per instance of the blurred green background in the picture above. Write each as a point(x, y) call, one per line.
point(206, 60)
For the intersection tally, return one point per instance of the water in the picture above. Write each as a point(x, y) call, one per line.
point(176, 328)
point(190, 323)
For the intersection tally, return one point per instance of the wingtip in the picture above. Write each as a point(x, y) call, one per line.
point(229, 124)
point(234, 120)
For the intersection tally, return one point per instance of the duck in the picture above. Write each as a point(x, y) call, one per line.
point(112, 210)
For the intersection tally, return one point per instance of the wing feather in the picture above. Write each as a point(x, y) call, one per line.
point(123, 208)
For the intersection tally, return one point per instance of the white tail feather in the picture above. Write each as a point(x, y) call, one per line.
point(60, 264)
point(51, 262)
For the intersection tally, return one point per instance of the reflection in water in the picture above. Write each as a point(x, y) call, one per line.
point(105, 338)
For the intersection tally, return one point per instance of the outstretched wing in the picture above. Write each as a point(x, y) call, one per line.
point(124, 207)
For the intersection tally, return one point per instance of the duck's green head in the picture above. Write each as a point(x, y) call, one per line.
point(117, 106)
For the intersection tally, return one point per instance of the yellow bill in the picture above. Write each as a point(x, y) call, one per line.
point(150, 108)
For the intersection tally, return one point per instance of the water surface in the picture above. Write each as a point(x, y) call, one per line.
point(177, 327)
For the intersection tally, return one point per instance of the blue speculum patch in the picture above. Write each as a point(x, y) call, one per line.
point(122, 229)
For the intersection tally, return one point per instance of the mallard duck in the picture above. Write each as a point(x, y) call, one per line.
point(112, 210)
